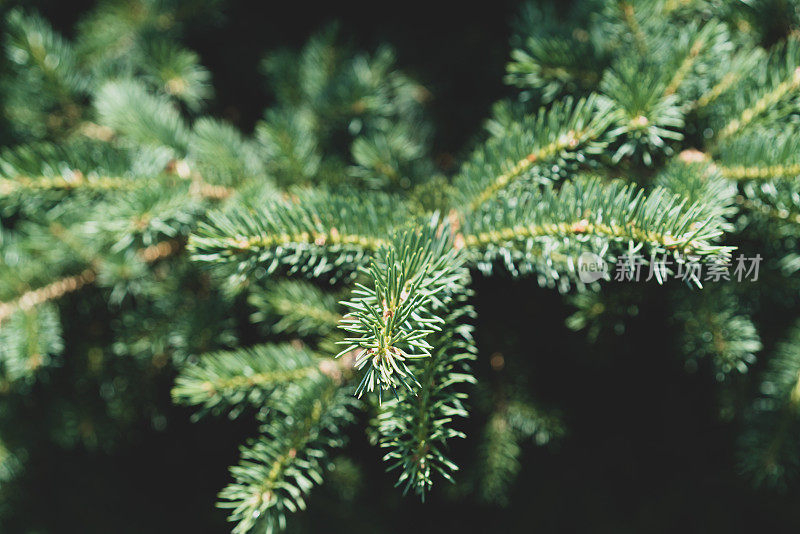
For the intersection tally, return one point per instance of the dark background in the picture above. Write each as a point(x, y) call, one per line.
point(645, 452)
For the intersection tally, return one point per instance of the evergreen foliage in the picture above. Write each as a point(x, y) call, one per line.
point(321, 267)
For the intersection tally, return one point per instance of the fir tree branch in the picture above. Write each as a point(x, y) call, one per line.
point(730, 69)
point(586, 209)
point(649, 118)
point(210, 191)
point(31, 41)
point(222, 155)
point(29, 339)
point(717, 328)
point(782, 215)
point(69, 284)
point(765, 98)
point(769, 99)
point(416, 427)
point(756, 172)
point(413, 278)
point(311, 233)
point(725, 83)
point(354, 123)
point(760, 155)
point(567, 129)
point(700, 183)
point(510, 424)
point(255, 375)
point(500, 451)
point(73, 181)
point(703, 40)
point(52, 291)
point(160, 250)
point(279, 469)
point(80, 166)
point(554, 55)
point(734, 68)
point(300, 307)
point(148, 119)
point(629, 17)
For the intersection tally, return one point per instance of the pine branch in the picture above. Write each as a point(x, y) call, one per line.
point(144, 118)
point(533, 231)
point(311, 233)
point(29, 339)
point(63, 286)
point(278, 470)
point(733, 69)
point(412, 280)
point(553, 55)
point(416, 426)
point(67, 182)
point(256, 376)
point(649, 116)
point(50, 292)
point(300, 307)
point(715, 327)
point(177, 72)
point(31, 42)
point(509, 425)
point(567, 130)
point(702, 184)
point(778, 201)
point(711, 38)
point(760, 155)
point(221, 154)
point(781, 84)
